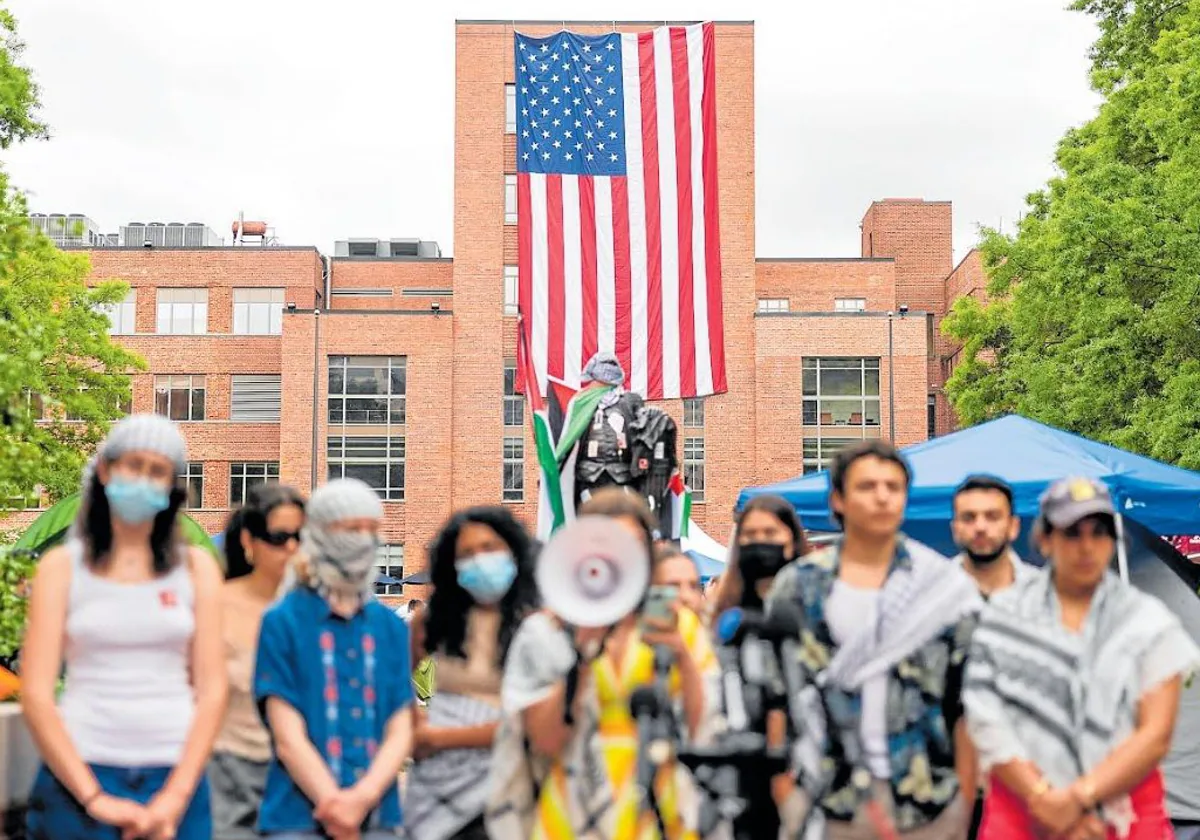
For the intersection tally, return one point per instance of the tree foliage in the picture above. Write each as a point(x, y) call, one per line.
point(56, 359)
point(1093, 319)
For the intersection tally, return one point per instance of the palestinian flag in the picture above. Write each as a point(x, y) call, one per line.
point(681, 506)
point(559, 423)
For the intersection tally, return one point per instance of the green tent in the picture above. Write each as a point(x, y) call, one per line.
point(51, 527)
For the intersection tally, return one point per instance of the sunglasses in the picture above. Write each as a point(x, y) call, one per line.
point(278, 538)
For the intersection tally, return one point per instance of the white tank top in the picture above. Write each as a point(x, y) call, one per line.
point(128, 701)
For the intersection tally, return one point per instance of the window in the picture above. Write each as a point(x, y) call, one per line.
point(257, 311)
point(693, 466)
point(841, 392)
point(514, 469)
point(389, 570)
point(693, 414)
point(511, 290)
point(510, 199)
point(841, 406)
point(123, 403)
point(510, 109)
point(849, 304)
point(367, 390)
point(193, 481)
point(819, 451)
point(514, 403)
point(379, 461)
point(182, 311)
point(931, 416)
point(122, 318)
point(179, 397)
point(255, 398)
point(242, 477)
point(773, 305)
point(34, 404)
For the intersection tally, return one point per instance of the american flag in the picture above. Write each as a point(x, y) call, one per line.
point(618, 241)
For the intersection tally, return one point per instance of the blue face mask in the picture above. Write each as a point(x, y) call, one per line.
point(135, 500)
point(488, 577)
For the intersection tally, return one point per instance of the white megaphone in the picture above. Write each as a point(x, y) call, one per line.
point(592, 572)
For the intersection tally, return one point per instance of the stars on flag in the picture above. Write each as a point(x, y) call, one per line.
point(570, 109)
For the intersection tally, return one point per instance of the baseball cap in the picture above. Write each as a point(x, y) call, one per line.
point(1068, 501)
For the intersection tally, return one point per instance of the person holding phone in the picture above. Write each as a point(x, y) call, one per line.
point(614, 662)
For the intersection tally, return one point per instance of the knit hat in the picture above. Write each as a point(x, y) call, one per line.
point(606, 368)
point(145, 433)
point(342, 498)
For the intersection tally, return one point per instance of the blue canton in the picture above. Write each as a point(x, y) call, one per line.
point(923, 702)
point(570, 104)
point(346, 678)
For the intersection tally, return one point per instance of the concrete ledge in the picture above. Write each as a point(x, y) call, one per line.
point(18, 758)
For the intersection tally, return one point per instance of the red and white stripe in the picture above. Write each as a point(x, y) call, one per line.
point(632, 264)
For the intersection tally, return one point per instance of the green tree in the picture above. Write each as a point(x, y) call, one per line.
point(1093, 319)
point(56, 359)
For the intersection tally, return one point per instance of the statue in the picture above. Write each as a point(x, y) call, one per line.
point(627, 444)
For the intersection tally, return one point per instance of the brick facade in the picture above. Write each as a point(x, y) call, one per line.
point(456, 337)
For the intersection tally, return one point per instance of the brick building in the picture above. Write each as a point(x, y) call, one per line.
point(392, 363)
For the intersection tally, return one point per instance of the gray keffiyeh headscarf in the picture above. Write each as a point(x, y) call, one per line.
point(606, 368)
point(341, 561)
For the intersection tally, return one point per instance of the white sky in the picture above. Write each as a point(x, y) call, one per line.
point(337, 119)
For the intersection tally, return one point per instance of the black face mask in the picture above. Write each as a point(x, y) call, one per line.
point(759, 561)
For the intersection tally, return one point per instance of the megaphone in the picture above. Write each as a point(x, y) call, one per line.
point(592, 572)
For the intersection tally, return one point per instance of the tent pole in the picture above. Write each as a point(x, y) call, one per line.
point(1122, 554)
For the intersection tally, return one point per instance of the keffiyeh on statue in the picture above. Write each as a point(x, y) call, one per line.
point(627, 443)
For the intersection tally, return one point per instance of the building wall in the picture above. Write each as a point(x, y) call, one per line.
point(396, 276)
point(785, 340)
point(812, 285)
point(484, 245)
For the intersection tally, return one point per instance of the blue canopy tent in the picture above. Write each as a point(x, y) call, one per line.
point(1029, 456)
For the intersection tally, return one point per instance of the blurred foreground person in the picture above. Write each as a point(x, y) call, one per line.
point(260, 540)
point(1073, 686)
point(481, 569)
point(334, 683)
point(136, 616)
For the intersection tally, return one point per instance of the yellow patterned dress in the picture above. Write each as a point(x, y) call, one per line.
point(559, 814)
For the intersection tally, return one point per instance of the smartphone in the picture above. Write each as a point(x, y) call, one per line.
point(658, 604)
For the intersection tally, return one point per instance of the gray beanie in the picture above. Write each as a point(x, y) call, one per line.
point(342, 498)
point(145, 433)
point(606, 368)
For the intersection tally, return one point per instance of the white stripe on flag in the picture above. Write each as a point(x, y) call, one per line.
point(636, 181)
point(704, 373)
point(606, 293)
point(668, 203)
point(572, 282)
point(541, 276)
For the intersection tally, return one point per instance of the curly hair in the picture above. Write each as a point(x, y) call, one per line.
point(446, 615)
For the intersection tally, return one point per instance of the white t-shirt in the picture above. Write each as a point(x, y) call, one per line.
point(849, 611)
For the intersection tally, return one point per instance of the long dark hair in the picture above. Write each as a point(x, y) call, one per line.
point(94, 526)
point(446, 615)
point(782, 510)
point(252, 517)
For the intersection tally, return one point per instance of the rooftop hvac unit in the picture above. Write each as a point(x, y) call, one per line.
point(133, 234)
point(199, 235)
point(174, 237)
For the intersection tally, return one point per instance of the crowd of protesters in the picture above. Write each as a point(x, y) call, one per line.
point(978, 696)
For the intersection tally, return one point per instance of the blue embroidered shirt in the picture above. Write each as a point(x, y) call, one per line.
point(346, 677)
